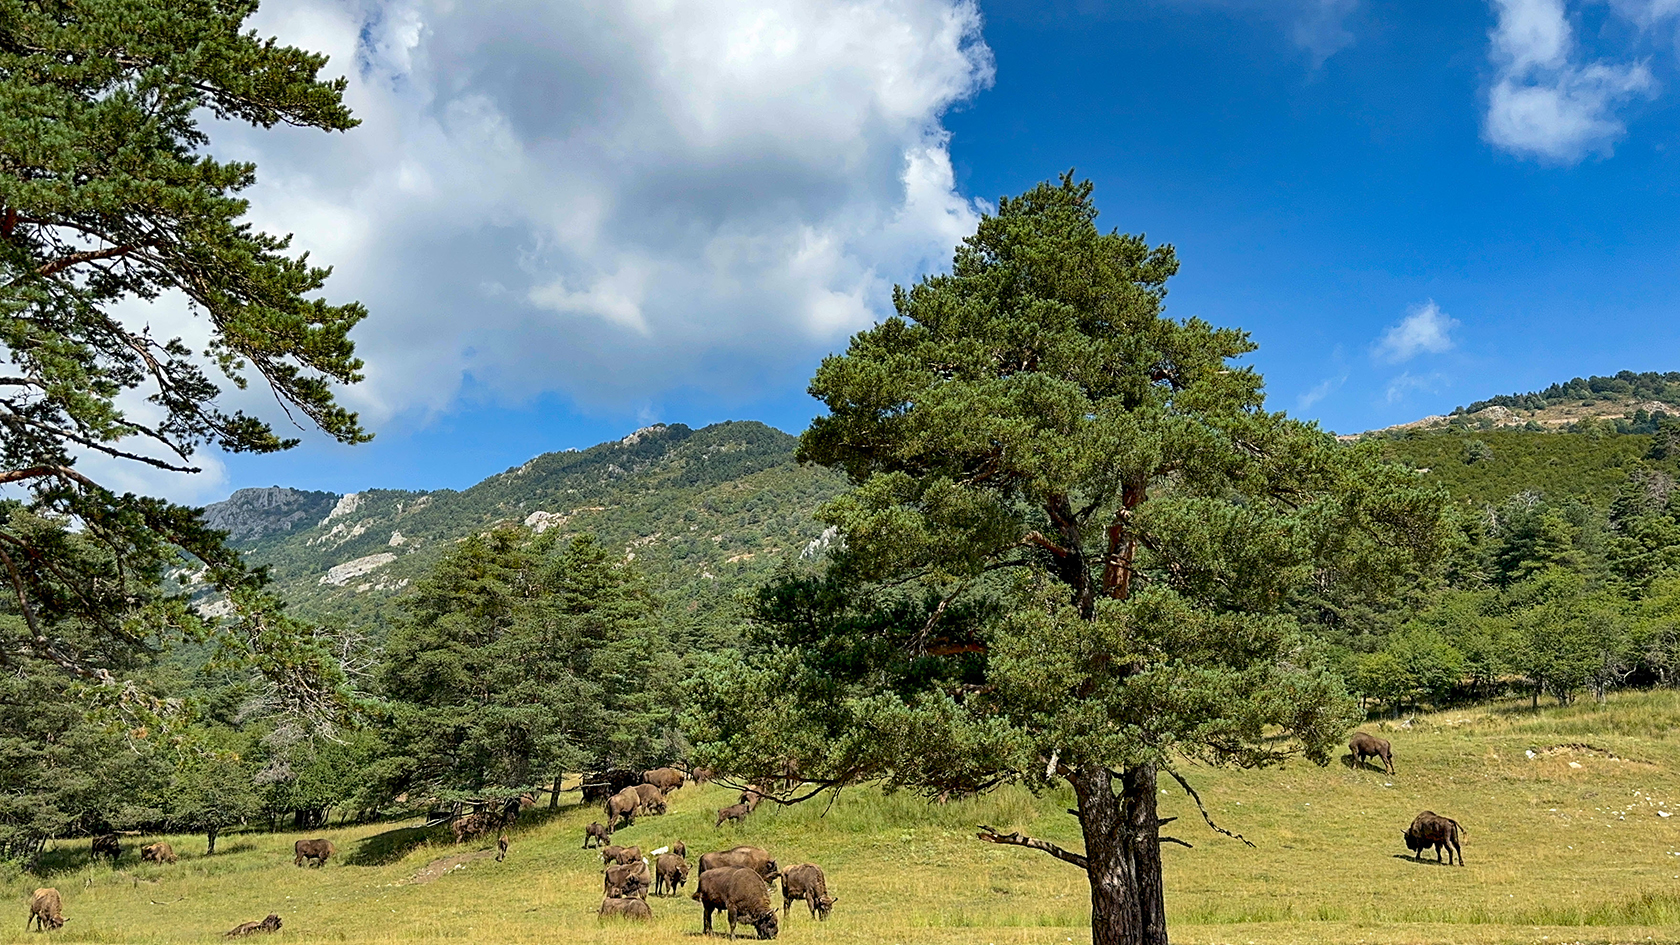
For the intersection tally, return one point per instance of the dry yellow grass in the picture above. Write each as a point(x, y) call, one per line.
point(1568, 846)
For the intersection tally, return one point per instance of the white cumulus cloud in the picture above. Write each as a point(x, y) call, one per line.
point(1547, 103)
point(1425, 329)
point(612, 199)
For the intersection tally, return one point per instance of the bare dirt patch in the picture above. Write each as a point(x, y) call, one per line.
point(443, 866)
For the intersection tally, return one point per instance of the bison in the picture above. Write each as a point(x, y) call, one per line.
point(625, 908)
point(806, 882)
point(680, 849)
point(108, 846)
point(752, 796)
point(652, 799)
point(317, 850)
point(270, 924)
point(701, 775)
point(473, 825)
point(665, 779)
point(1431, 829)
point(1364, 745)
point(158, 852)
point(670, 872)
point(624, 805)
point(742, 894)
point(735, 812)
point(601, 835)
point(46, 910)
point(754, 858)
point(618, 854)
point(626, 880)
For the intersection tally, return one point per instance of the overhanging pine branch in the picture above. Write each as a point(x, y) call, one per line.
point(1203, 808)
point(990, 835)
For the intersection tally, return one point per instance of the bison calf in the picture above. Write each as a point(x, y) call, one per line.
point(46, 910)
point(806, 882)
point(625, 908)
point(735, 812)
point(741, 894)
point(159, 852)
point(1431, 829)
point(317, 850)
point(600, 835)
point(270, 924)
point(618, 854)
point(1364, 745)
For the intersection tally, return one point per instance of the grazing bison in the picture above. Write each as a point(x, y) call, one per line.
point(670, 872)
point(108, 846)
point(46, 910)
point(1431, 829)
point(753, 858)
point(618, 854)
point(270, 924)
point(806, 882)
point(742, 894)
point(1364, 745)
point(627, 880)
point(625, 908)
point(652, 799)
point(735, 812)
point(665, 779)
point(623, 805)
point(317, 850)
point(501, 848)
point(601, 835)
point(701, 775)
point(158, 852)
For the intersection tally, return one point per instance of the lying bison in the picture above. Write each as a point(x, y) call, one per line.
point(1431, 829)
point(46, 910)
point(627, 881)
point(600, 835)
point(618, 854)
point(317, 850)
point(806, 882)
point(624, 805)
point(749, 857)
point(665, 779)
point(735, 812)
point(670, 872)
point(625, 908)
point(742, 894)
point(1364, 745)
point(270, 924)
point(159, 852)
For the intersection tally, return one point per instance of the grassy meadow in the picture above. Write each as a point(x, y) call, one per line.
point(1570, 845)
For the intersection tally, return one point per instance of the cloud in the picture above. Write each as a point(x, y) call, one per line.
point(1317, 26)
point(1407, 382)
point(1543, 103)
point(1320, 391)
point(1424, 329)
point(616, 199)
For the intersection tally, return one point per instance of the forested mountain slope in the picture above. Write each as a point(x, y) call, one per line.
point(702, 512)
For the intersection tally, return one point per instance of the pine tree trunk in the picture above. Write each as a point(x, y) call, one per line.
point(554, 795)
point(1118, 914)
point(1139, 793)
point(210, 835)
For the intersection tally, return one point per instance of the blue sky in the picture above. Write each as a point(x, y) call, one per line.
point(570, 220)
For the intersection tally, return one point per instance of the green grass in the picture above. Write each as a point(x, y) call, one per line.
point(1569, 846)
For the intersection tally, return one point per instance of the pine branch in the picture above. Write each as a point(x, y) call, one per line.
point(990, 835)
point(1201, 807)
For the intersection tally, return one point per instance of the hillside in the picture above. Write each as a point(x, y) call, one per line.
point(702, 512)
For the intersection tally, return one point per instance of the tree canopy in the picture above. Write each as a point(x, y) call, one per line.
point(1073, 535)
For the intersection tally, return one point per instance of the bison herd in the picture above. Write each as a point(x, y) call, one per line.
point(736, 882)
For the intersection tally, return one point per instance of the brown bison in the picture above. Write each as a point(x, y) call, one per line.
point(107, 846)
point(46, 910)
point(627, 880)
point(270, 924)
point(501, 848)
point(742, 894)
point(624, 805)
point(680, 849)
point(670, 872)
point(753, 858)
point(806, 882)
point(1431, 829)
point(701, 775)
point(472, 825)
point(618, 854)
point(599, 834)
point(652, 799)
point(1364, 745)
point(317, 850)
point(752, 796)
point(158, 852)
point(735, 812)
point(625, 908)
point(665, 779)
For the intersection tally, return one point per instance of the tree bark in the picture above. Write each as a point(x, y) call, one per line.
point(1139, 791)
point(554, 795)
point(1116, 918)
point(210, 835)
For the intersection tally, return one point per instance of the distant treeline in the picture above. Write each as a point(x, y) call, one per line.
point(1663, 387)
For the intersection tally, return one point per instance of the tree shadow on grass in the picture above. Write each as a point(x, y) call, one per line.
point(382, 849)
